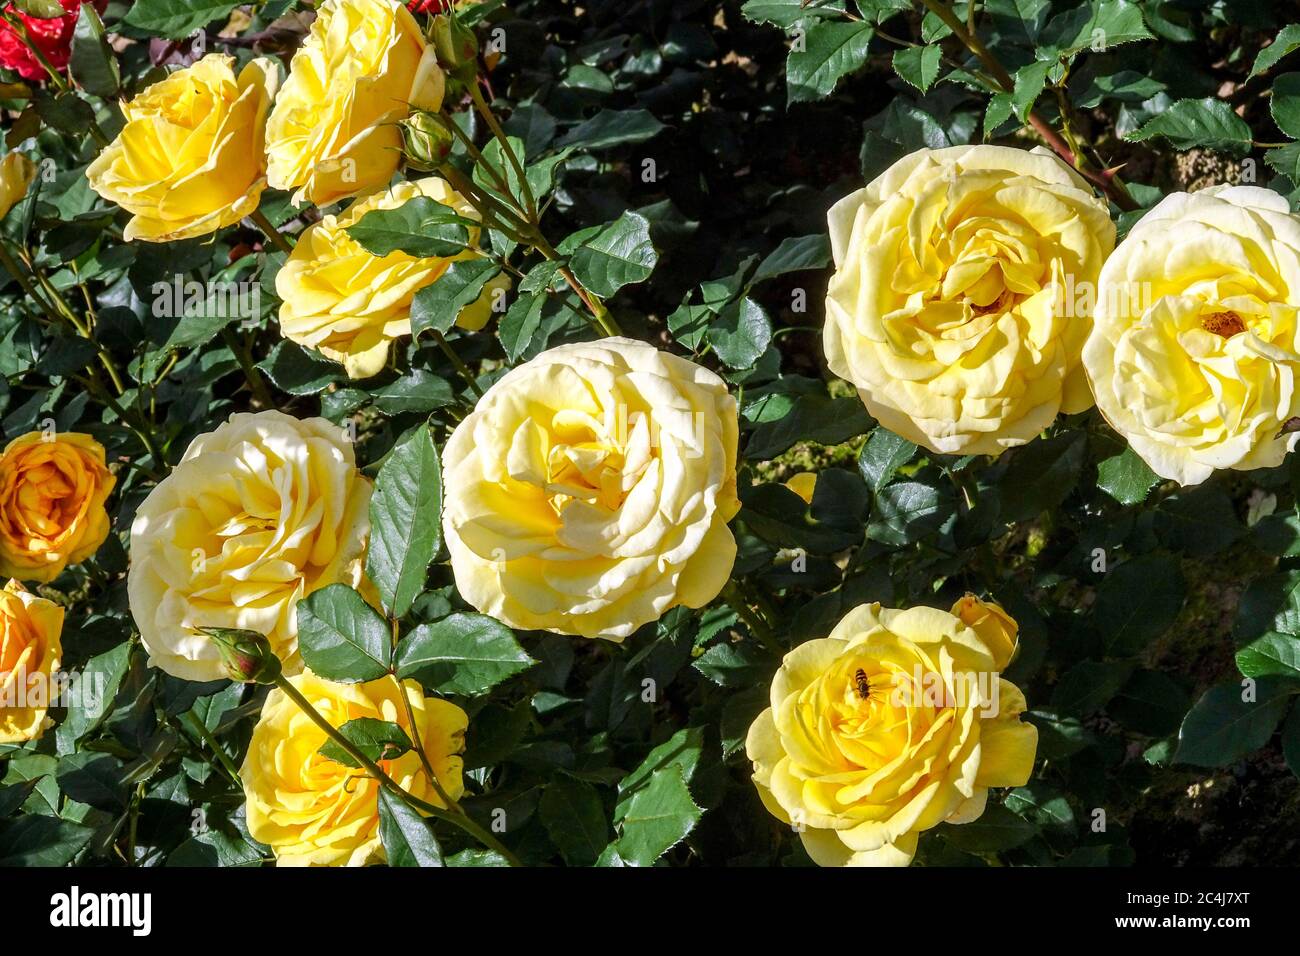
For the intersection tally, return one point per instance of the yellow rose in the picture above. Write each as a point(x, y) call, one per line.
point(16, 175)
point(30, 652)
point(590, 489)
point(313, 811)
point(953, 308)
point(333, 131)
point(350, 305)
point(52, 494)
point(1195, 351)
point(189, 160)
point(895, 723)
point(258, 514)
point(996, 628)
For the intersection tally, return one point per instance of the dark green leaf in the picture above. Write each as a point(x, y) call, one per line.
point(918, 65)
point(407, 838)
point(1089, 685)
point(1137, 601)
point(620, 254)
point(831, 50)
point(462, 654)
point(1271, 654)
point(1126, 477)
point(1288, 40)
point(298, 371)
point(997, 828)
point(436, 306)
point(421, 227)
point(405, 521)
point(1198, 124)
point(32, 840)
point(176, 18)
point(1222, 727)
point(1284, 104)
point(612, 128)
point(574, 818)
point(91, 62)
point(740, 333)
point(376, 739)
point(882, 455)
point(1041, 475)
point(341, 637)
point(907, 511)
point(659, 816)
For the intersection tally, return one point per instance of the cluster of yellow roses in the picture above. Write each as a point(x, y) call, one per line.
point(977, 293)
point(199, 148)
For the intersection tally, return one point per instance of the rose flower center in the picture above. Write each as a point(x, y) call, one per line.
point(1225, 324)
point(589, 462)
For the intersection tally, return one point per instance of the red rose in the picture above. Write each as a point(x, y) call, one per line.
point(429, 6)
point(52, 37)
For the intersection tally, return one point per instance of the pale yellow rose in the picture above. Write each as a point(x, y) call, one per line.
point(257, 515)
point(52, 494)
point(30, 652)
point(589, 491)
point(189, 159)
point(313, 811)
point(16, 175)
point(895, 723)
point(333, 131)
point(1195, 351)
point(350, 305)
point(958, 307)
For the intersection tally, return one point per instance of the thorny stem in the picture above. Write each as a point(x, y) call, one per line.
point(474, 153)
point(530, 229)
point(62, 308)
point(603, 321)
point(458, 362)
point(221, 755)
point(1105, 180)
point(490, 118)
point(461, 820)
point(270, 231)
point(251, 374)
point(96, 388)
point(757, 626)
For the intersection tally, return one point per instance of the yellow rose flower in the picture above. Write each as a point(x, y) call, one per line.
point(30, 652)
point(16, 175)
point(189, 160)
point(350, 305)
point(590, 489)
point(258, 514)
point(1195, 352)
point(895, 723)
point(953, 308)
point(333, 131)
point(996, 628)
point(52, 494)
point(313, 811)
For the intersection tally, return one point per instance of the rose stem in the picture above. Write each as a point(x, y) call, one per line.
point(271, 232)
point(1106, 181)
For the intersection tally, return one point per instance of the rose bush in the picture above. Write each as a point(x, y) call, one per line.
point(750, 433)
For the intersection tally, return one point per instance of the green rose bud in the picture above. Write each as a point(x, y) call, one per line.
point(245, 655)
point(426, 141)
point(456, 47)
